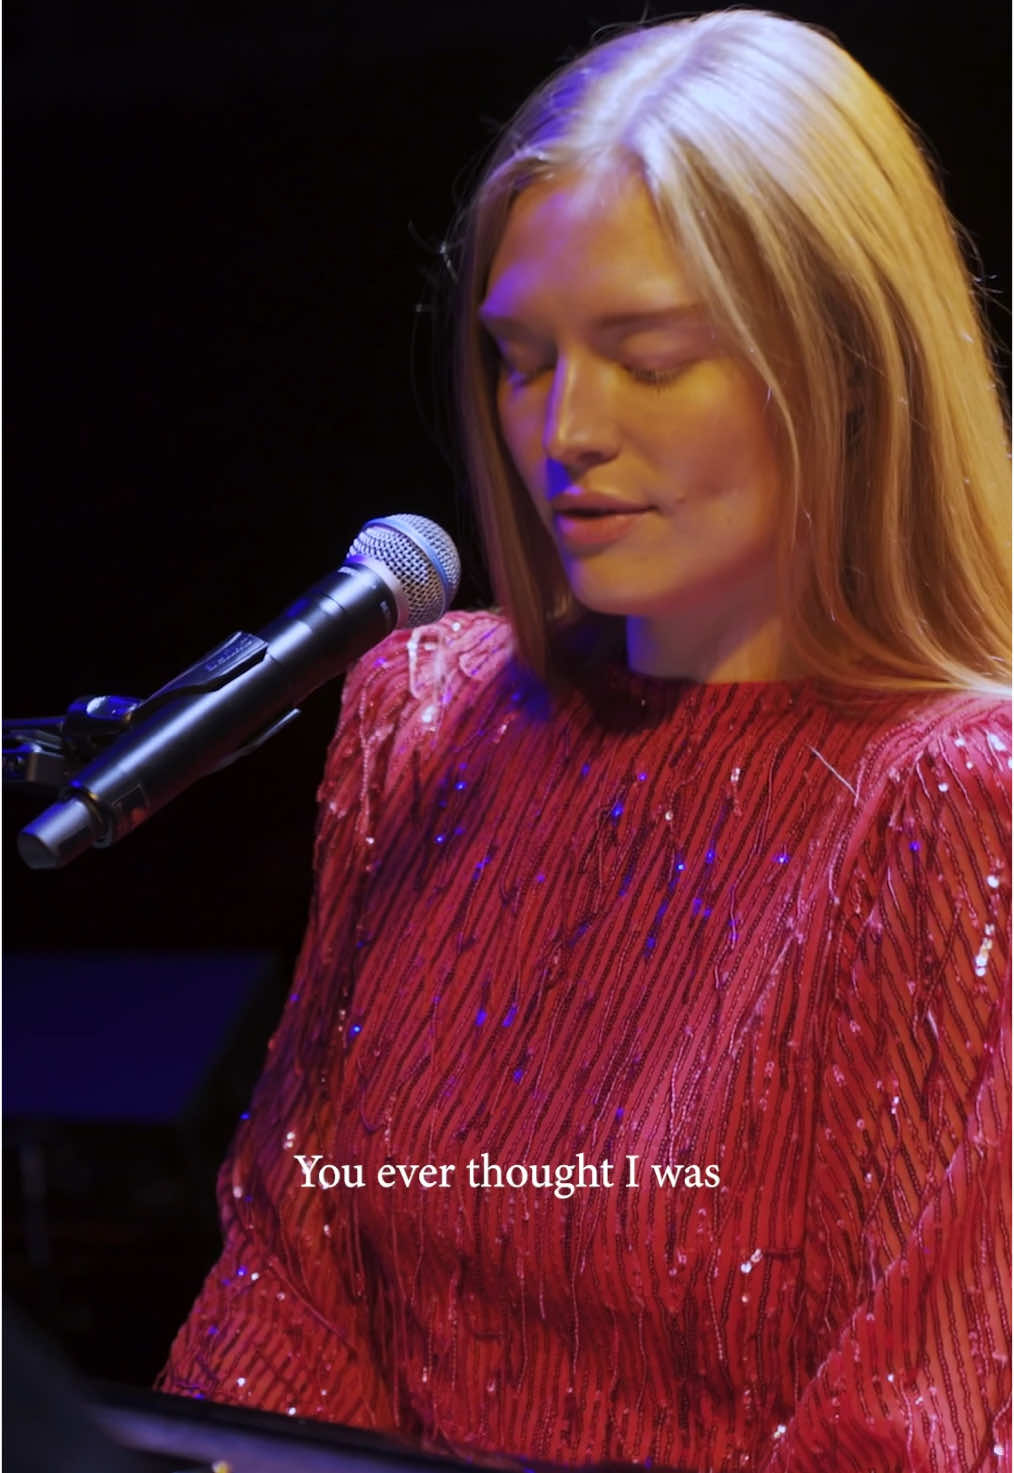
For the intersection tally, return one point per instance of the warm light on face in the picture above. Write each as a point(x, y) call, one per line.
point(615, 393)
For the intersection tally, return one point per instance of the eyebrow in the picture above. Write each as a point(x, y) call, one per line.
point(610, 321)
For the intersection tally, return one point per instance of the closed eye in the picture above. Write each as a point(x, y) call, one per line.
point(519, 376)
point(659, 378)
point(514, 373)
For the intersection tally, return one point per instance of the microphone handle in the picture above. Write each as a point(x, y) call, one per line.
point(191, 726)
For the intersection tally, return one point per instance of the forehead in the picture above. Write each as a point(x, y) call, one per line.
point(585, 238)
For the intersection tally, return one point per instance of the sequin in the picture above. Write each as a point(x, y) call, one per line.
point(582, 890)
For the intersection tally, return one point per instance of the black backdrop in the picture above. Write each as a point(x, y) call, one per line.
point(222, 220)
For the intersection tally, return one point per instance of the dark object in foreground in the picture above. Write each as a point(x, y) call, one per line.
point(251, 1441)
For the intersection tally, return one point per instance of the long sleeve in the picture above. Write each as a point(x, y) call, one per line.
point(911, 1207)
point(276, 1301)
point(648, 921)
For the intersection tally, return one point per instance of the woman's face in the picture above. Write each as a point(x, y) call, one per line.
point(641, 439)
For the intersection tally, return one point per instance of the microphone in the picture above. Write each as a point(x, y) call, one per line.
point(401, 571)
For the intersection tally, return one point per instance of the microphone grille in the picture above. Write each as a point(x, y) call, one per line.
point(420, 555)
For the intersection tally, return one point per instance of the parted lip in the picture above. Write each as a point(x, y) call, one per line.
point(588, 502)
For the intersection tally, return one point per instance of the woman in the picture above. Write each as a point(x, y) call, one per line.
point(666, 919)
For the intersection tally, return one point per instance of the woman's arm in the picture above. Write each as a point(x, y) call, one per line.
point(273, 1326)
point(910, 1215)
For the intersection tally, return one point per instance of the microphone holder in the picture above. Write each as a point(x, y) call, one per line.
point(400, 571)
point(46, 751)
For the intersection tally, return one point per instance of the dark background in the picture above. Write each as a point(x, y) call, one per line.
point(222, 233)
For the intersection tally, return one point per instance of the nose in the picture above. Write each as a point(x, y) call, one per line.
point(579, 430)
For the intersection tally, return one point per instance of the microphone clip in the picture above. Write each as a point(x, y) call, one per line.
point(46, 751)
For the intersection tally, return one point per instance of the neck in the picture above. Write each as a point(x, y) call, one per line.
point(663, 648)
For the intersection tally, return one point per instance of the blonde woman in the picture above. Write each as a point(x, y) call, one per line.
point(665, 915)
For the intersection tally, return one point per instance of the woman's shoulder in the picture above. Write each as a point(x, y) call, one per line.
point(407, 683)
point(419, 665)
point(965, 730)
point(395, 696)
point(949, 759)
point(901, 733)
point(937, 778)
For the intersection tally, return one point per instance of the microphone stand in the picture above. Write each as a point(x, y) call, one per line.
point(46, 751)
point(400, 571)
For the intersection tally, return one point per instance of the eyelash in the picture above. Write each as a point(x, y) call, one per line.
point(652, 378)
point(656, 378)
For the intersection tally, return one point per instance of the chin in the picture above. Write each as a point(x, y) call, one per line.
point(630, 601)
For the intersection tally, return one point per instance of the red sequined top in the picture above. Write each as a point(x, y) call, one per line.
point(717, 978)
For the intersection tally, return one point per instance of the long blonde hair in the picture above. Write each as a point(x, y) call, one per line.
point(809, 212)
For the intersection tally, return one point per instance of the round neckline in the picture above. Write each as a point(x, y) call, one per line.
point(663, 693)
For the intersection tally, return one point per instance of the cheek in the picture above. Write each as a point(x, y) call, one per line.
point(749, 438)
point(508, 421)
point(718, 435)
point(520, 430)
point(522, 437)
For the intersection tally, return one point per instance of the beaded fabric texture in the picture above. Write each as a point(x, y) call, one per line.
point(719, 926)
